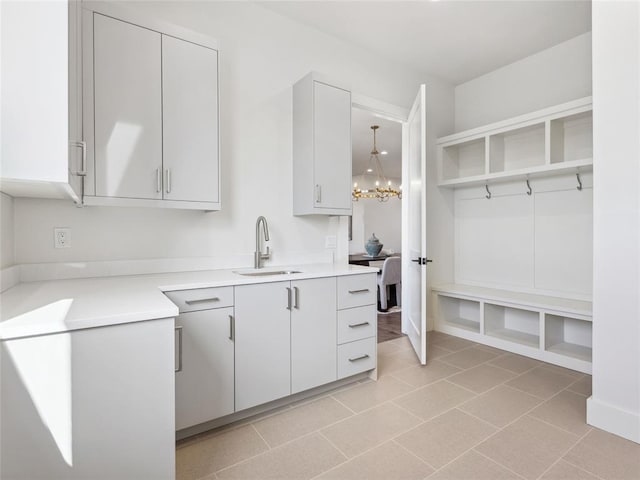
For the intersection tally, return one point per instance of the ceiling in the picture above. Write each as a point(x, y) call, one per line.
point(388, 138)
point(454, 40)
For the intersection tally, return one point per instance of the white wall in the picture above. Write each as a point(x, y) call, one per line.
point(615, 404)
point(553, 76)
point(262, 55)
point(6, 231)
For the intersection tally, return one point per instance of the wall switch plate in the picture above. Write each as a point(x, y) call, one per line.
point(62, 237)
point(330, 241)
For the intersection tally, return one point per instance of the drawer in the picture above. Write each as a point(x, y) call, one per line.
point(357, 323)
point(202, 298)
point(356, 357)
point(357, 290)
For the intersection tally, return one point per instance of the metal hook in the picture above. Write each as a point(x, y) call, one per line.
point(579, 187)
point(488, 196)
point(529, 187)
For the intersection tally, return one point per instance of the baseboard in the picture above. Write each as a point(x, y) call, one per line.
point(614, 420)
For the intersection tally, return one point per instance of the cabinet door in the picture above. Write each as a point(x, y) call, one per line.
point(332, 146)
point(313, 333)
point(190, 121)
point(128, 116)
point(95, 403)
point(263, 341)
point(204, 384)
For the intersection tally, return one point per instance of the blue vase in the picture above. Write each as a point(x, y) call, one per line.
point(373, 246)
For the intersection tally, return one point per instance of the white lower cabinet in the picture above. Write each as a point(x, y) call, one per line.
point(285, 339)
point(205, 366)
point(313, 333)
point(95, 403)
point(263, 342)
point(357, 324)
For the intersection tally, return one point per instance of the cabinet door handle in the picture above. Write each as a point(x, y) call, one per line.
point(83, 166)
point(361, 357)
point(179, 331)
point(158, 180)
point(296, 297)
point(288, 298)
point(232, 328)
point(168, 180)
point(318, 193)
point(200, 300)
point(362, 290)
point(359, 325)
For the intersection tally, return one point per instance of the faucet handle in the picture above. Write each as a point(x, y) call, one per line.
point(266, 255)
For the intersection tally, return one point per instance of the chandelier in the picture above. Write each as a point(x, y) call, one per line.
point(376, 184)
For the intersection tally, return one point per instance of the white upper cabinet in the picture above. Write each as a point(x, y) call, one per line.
point(150, 113)
point(41, 137)
point(321, 148)
point(190, 121)
point(128, 111)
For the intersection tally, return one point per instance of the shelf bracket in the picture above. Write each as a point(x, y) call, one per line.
point(529, 188)
point(579, 187)
point(488, 195)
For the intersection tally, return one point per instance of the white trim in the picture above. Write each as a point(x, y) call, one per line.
point(379, 108)
point(149, 202)
point(612, 419)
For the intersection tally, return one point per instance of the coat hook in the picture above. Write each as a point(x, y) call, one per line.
point(529, 187)
point(579, 187)
point(488, 195)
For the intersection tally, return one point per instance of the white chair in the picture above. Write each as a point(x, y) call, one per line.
point(391, 275)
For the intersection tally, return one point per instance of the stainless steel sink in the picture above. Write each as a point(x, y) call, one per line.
point(267, 273)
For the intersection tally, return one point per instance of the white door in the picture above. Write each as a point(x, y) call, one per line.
point(414, 274)
point(190, 121)
point(263, 343)
point(205, 376)
point(332, 146)
point(313, 333)
point(128, 116)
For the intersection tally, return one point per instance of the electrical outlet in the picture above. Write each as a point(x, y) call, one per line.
point(62, 237)
point(330, 241)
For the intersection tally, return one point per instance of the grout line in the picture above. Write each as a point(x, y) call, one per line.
point(581, 468)
point(345, 406)
point(497, 463)
point(394, 440)
point(260, 435)
point(580, 438)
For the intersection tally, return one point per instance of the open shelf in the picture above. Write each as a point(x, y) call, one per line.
point(568, 336)
point(513, 324)
point(460, 313)
point(517, 149)
point(465, 159)
point(553, 141)
point(571, 138)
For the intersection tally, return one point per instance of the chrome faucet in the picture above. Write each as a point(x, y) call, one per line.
point(259, 256)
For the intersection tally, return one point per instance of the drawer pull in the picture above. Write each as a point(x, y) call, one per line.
point(179, 332)
point(361, 357)
point(232, 328)
point(362, 290)
point(201, 300)
point(359, 325)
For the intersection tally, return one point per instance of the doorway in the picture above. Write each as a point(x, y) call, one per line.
point(380, 216)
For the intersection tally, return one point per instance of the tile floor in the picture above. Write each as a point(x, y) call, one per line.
point(473, 412)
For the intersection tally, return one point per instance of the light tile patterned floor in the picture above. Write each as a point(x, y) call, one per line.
point(472, 412)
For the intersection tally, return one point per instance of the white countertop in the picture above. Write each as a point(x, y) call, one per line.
point(38, 308)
